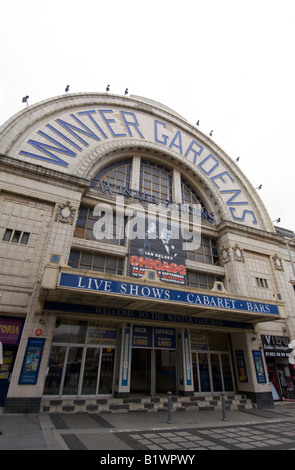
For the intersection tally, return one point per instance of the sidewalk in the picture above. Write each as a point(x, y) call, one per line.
point(148, 431)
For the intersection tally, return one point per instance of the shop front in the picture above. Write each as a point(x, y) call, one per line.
point(281, 372)
point(84, 355)
point(123, 352)
point(82, 358)
point(212, 363)
point(10, 333)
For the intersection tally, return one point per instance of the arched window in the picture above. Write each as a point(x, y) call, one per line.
point(115, 174)
point(190, 197)
point(156, 180)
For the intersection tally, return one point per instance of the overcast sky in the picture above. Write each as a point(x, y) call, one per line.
point(227, 63)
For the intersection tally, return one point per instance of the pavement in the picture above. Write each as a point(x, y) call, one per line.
point(149, 433)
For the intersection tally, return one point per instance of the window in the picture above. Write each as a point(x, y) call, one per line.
point(156, 180)
point(16, 236)
point(109, 229)
point(197, 280)
point(113, 176)
point(207, 252)
point(189, 196)
point(260, 282)
point(95, 262)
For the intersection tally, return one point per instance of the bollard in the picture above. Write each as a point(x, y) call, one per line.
point(224, 418)
point(169, 408)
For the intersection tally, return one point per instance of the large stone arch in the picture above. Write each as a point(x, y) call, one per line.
point(75, 133)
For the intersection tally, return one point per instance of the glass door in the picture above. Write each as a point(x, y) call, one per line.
point(204, 372)
point(216, 373)
point(79, 370)
point(106, 371)
point(165, 370)
point(90, 372)
point(72, 370)
point(227, 373)
point(55, 370)
point(140, 381)
point(212, 372)
point(195, 372)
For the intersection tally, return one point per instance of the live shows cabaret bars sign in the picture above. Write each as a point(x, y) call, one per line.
point(88, 283)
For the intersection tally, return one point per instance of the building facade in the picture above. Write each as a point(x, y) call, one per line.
point(136, 259)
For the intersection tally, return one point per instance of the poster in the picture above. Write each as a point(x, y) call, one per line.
point(198, 340)
point(159, 249)
point(164, 338)
point(6, 366)
point(32, 361)
point(142, 336)
point(259, 367)
point(102, 333)
point(241, 366)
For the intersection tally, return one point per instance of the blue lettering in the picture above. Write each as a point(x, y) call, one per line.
point(177, 137)
point(205, 160)
point(241, 219)
point(45, 148)
point(195, 152)
point(133, 123)
point(89, 114)
point(236, 192)
point(156, 133)
point(71, 128)
point(108, 121)
point(63, 136)
point(220, 175)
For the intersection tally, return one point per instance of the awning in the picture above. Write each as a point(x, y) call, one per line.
point(89, 289)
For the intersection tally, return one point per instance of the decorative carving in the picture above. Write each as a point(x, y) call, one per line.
point(225, 254)
point(278, 264)
point(238, 253)
point(65, 213)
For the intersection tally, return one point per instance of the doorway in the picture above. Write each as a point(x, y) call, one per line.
point(75, 370)
point(140, 381)
point(212, 372)
point(165, 370)
point(153, 371)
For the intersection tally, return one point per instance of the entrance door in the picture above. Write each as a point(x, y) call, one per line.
point(216, 373)
point(106, 371)
point(90, 373)
point(227, 373)
point(72, 373)
point(80, 370)
point(140, 381)
point(212, 372)
point(153, 371)
point(165, 370)
point(204, 372)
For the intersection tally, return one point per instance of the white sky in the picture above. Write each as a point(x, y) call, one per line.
point(228, 63)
